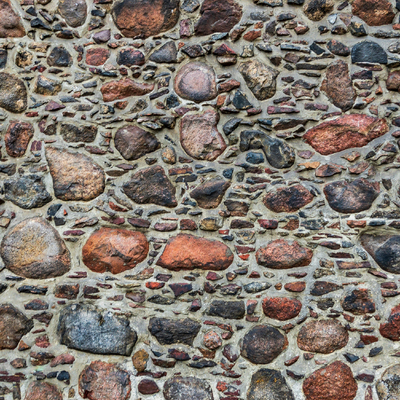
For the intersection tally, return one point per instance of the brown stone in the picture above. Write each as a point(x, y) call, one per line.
point(196, 81)
point(353, 130)
point(39, 390)
point(75, 176)
point(359, 302)
point(374, 12)
point(11, 24)
point(148, 386)
point(322, 336)
point(134, 142)
point(393, 81)
point(97, 56)
point(209, 194)
point(114, 250)
point(117, 90)
point(73, 11)
point(281, 308)
point(104, 381)
point(316, 10)
point(288, 199)
point(332, 382)
point(200, 137)
point(145, 18)
point(217, 16)
point(139, 360)
point(34, 249)
point(391, 328)
point(17, 138)
point(338, 86)
point(284, 254)
point(13, 94)
point(189, 252)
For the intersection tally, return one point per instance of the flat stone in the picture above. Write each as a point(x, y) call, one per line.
point(13, 325)
point(86, 328)
point(17, 138)
point(13, 94)
point(97, 56)
point(117, 90)
point(114, 250)
point(338, 48)
point(167, 53)
point(151, 186)
point(368, 52)
point(180, 387)
point(196, 81)
point(321, 287)
point(132, 17)
point(288, 199)
point(227, 309)
point(134, 142)
point(11, 24)
point(393, 81)
point(388, 386)
point(33, 249)
point(75, 175)
point(322, 336)
point(391, 329)
point(374, 12)
point(351, 197)
point(104, 381)
point(283, 254)
point(359, 302)
point(316, 10)
point(210, 193)
point(40, 390)
point(332, 382)
point(74, 12)
point(46, 86)
point(130, 57)
point(281, 308)
point(269, 384)
point(83, 133)
point(148, 386)
point(346, 132)
point(59, 57)
point(168, 331)
point(262, 344)
point(187, 252)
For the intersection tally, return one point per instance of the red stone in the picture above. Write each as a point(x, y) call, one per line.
point(40, 390)
point(374, 12)
point(281, 308)
point(97, 56)
point(296, 287)
point(17, 138)
point(148, 386)
point(391, 328)
point(117, 90)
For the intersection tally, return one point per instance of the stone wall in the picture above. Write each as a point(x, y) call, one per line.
point(199, 199)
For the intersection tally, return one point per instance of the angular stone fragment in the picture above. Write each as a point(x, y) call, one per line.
point(134, 142)
point(75, 176)
point(393, 81)
point(167, 53)
point(374, 12)
point(17, 138)
point(145, 18)
point(391, 329)
point(338, 86)
point(388, 386)
point(13, 94)
point(368, 52)
point(288, 199)
point(227, 309)
point(351, 197)
point(151, 186)
point(117, 90)
point(188, 252)
point(114, 250)
point(104, 381)
point(13, 325)
point(40, 390)
point(72, 133)
point(284, 254)
point(281, 308)
point(354, 130)
point(269, 384)
point(73, 11)
point(196, 81)
point(180, 387)
point(316, 10)
point(168, 331)
point(262, 344)
point(10, 22)
point(86, 328)
point(209, 194)
point(59, 57)
point(321, 287)
point(332, 382)
point(322, 336)
point(359, 302)
point(130, 57)
point(27, 192)
point(200, 137)
point(34, 249)
point(46, 86)
point(260, 78)
point(217, 16)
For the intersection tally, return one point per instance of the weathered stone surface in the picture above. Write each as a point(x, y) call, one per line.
point(359, 302)
point(322, 336)
point(13, 325)
point(10, 22)
point(97, 56)
point(130, 57)
point(73, 11)
point(114, 250)
point(316, 10)
point(46, 86)
point(391, 328)
point(34, 249)
point(374, 12)
point(86, 328)
point(196, 81)
point(369, 52)
point(209, 194)
point(338, 86)
point(167, 53)
point(388, 386)
point(180, 387)
point(284, 254)
point(262, 344)
point(168, 331)
point(117, 90)
point(39, 390)
point(332, 382)
point(351, 197)
point(72, 133)
point(134, 142)
point(145, 18)
point(75, 176)
point(260, 78)
point(189, 252)
point(227, 309)
point(354, 130)
point(281, 308)
point(288, 199)
point(104, 381)
point(151, 186)
point(393, 81)
point(59, 57)
point(218, 16)
point(13, 94)
point(269, 384)
point(17, 138)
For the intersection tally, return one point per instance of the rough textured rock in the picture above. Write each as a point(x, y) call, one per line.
point(269, 384)
point(359, 302)
point(59, 57)
point(72, 133)
point(189, 252)
point(75, 176)
point(167, 53)
point(43, 391)
point(188, 388)
point(281, 308)
point(74, 12)
point(34, 249)
point(391, 328)
point(288, 199)
point(388, 385)
point(11, 24)
point(374, 12)
point(13, 94)
point(368, 51)
point(117, 90)
point(316, 10)
point(17, 138)
point(85, 328)
point(210, 193)
point(227, 309)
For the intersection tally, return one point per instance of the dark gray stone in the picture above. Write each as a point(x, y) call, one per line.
point(368, 52)
point(269, 384)
point(72, 133)
point(59, 57)
point(179, 387)
point(227, 309)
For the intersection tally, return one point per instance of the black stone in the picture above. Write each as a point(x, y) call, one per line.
point(240, 101)
point(227, 309)
point(167, 53)
point(368, 52)
point(59, 57)
point(269, 384)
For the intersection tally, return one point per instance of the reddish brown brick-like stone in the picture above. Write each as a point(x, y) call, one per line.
point(374, 12)
point(288, 199)
point(40, 390)
point(391, 328)
point(17, 138)
point(117, 90)
point(281, 308)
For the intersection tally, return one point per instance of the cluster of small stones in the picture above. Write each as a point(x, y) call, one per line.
point(199, 199)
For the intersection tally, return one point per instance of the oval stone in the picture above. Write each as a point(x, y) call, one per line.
point(73, 11)
point(281, 308)
point(388, 387)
